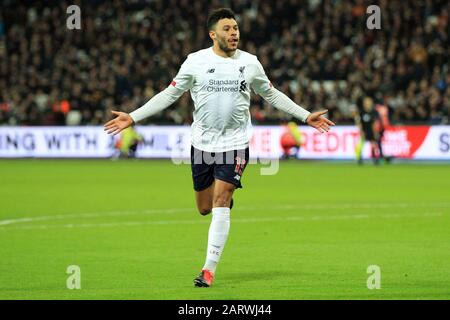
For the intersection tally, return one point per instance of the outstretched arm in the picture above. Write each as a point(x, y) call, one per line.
point(316, 120)
point(119, 123)
point(262, 86)
point(281, 101)
point(181, 83)
point(156, 104)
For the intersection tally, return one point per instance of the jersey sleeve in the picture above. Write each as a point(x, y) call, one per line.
point(260, 83)
point(184, 80)
point(262, 86)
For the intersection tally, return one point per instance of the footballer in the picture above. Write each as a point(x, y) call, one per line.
point(220, 79)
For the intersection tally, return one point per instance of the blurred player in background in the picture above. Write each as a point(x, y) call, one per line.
point(371, 130)
point(381, 126)
point(128, 143)
point(220, 79)
point(291, 140)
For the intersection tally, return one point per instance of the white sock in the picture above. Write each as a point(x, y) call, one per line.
point(217, 237)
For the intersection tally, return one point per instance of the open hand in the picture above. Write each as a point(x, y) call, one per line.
point(316, 120)
point(119, 123)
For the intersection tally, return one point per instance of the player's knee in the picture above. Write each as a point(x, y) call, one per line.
point(222, 199)
point(204, 210)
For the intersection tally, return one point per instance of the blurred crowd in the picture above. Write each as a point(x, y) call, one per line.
point(319, 52)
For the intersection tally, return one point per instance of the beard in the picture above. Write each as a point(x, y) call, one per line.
point(223, 45)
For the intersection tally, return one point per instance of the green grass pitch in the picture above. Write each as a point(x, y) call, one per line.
point(308, 232)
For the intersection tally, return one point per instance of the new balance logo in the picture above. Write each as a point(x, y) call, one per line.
point(210, 70)
point(237, 177)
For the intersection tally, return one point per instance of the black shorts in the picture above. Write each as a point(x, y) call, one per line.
point(369, 135)
point(226, 166)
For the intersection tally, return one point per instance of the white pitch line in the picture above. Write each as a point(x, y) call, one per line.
point(236, 220)
point(243, 208)
point(92, 215)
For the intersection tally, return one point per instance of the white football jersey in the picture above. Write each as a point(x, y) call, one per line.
point(220, 88)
